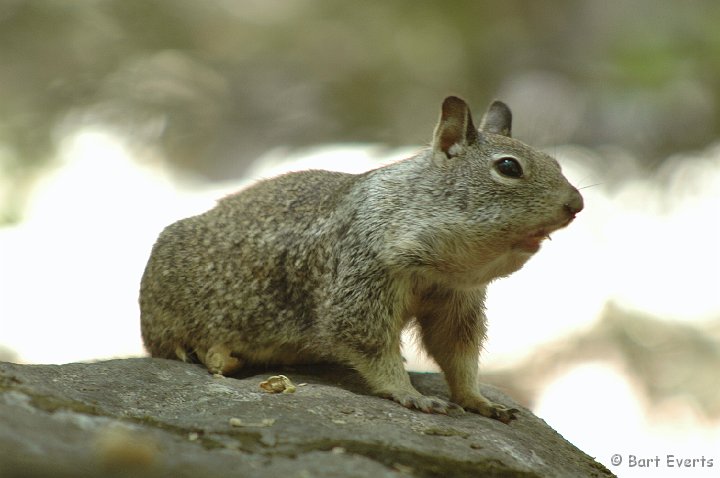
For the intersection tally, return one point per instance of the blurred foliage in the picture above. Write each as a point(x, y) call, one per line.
point(209, 86)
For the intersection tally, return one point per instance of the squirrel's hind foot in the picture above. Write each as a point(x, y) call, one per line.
point(219, 360)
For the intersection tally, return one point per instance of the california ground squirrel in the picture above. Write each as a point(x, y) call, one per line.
point(320, 266)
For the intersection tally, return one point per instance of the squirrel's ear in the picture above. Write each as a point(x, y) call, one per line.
point(497, 119)
point(455, 130)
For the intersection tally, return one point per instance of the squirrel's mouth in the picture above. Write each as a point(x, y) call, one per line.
point(531, 242)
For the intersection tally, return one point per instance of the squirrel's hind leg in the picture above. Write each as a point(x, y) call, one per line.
point(219, 360)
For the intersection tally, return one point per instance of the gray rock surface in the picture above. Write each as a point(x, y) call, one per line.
point(149, 417)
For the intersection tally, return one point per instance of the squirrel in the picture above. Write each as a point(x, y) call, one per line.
point(319, 266)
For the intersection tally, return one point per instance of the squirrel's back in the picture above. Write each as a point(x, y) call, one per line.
point(242, 260)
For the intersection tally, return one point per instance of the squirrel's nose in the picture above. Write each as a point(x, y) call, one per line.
point(575, 203)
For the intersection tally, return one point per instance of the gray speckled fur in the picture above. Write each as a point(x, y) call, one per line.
point(323, 266)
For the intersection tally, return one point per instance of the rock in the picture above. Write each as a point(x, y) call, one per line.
point(146, 417)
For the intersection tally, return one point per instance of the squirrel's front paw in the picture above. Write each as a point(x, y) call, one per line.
point(486, 408)
point(421, 402)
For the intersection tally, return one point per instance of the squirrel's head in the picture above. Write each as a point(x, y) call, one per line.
point(498, 181)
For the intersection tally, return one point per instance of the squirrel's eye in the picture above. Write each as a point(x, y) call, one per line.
point(509, 167)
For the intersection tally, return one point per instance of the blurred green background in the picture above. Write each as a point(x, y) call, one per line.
point(210, 86)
